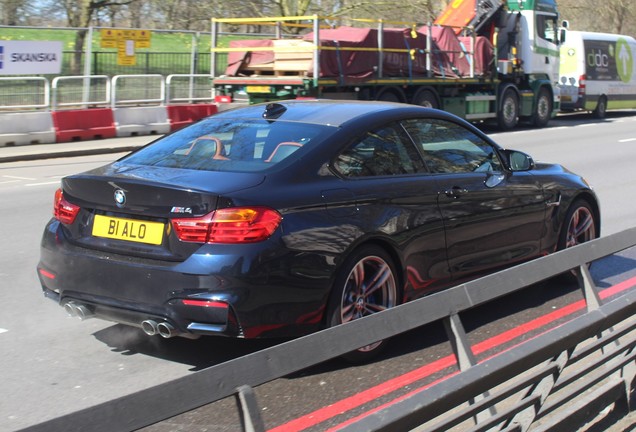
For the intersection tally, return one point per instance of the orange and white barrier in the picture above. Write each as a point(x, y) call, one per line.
point(97, 123)
point(26, 128)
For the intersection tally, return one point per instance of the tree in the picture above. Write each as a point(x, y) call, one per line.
point(184, 14)
point(610, 16)
point(11, 11)
point(621, 14)
point(79, 14)
point(421, 11)
point(415, 10)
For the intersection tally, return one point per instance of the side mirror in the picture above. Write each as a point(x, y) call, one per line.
point(563, 31)
point(519, 161)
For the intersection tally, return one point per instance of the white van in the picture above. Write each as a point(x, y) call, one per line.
point(597, 72)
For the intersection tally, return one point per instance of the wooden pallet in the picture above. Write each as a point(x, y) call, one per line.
point(287, 59)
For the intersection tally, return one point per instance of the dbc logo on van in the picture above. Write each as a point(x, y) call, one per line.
point(597, 58)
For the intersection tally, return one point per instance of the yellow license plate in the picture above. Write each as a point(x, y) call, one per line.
point(128, 229)
point(565, 98)
point(258, 89)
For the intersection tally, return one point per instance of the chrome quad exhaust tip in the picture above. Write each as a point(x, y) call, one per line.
point(78, 310)
point(163, 328)
point(150, 327)
point(166, 330)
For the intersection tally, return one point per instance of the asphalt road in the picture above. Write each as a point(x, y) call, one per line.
point(53, 365)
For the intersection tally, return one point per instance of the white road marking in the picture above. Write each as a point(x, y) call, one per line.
point(9, 181)
point(3, 330)
point(19, 178)
point(40, 184)
point(627, 140)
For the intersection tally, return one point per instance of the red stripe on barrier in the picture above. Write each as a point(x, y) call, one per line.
point(79, 125)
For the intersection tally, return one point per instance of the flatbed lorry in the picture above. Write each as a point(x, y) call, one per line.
point(481, 59)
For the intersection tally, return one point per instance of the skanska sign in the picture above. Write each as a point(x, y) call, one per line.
point(30, 57)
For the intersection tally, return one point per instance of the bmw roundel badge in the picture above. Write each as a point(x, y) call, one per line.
point(120, 198)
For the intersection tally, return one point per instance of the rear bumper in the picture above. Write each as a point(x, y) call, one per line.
point(218, 321)
point(220, 290)
point(572, 106)
point(571, 99)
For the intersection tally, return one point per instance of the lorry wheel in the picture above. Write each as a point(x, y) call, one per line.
point(426, 98)
point(543, 110)
point(508, 114)
point(390, 94)
point(601, 108)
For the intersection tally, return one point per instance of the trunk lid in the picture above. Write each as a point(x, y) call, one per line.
point(127, 209)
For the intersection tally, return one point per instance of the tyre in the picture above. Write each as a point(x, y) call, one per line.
point(601, 108)
point(426, 98)
point(543, 110)
point(579, 225)
point(389, 94)
point(366, 284)
point(508, 114)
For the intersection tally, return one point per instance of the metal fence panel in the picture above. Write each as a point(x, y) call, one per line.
point(188, 88)
point(138, 89)
point(24, 92)
point(80, 91)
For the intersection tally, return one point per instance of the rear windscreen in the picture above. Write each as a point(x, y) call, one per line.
point(232, 145)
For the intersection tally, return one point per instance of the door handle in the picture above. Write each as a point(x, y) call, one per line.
point(455, 192)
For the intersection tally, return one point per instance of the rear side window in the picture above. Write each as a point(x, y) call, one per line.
point(221, 145)
point(451, 148)
point(381, 152)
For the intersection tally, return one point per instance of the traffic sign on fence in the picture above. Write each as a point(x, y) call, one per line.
point(126, 42)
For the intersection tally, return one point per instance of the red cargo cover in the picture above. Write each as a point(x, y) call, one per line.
point(450, 54)
point(484, 53)
point(237, 59)
point(340, 62)
point(454, 50)
point(337, 60)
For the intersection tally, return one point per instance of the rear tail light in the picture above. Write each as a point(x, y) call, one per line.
point(206, 303)
point(223, 99)
point(63, 210)
point(47, 274)
point(582, 80)
point(231, 225)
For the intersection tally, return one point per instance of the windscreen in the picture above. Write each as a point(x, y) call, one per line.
point(232, 145)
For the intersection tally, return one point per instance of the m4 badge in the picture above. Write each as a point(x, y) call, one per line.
point(181, 210)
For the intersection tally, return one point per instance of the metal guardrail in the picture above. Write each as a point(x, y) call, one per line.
point(197, 87)
point(608, 363)
point(82, 91)
point(153, 89)
point(27, 93)
point(572, 379)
